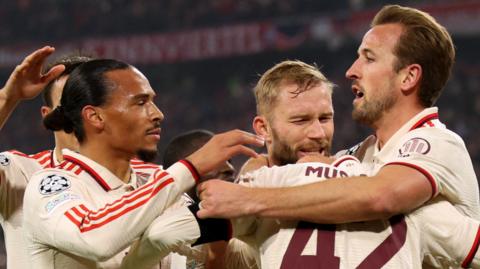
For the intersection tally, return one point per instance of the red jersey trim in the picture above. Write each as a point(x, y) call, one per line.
point(424, 120)
point(342, 159)
point(89, 170)
point(87, 220)
point(423, 171)
point(473, 250)
point(192, 170)
point(44, 158)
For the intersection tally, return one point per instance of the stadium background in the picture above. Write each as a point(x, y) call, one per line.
point(203, 57)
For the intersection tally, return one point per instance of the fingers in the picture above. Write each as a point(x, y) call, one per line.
point(37, 57)
point(240, 149)
point(242, 137)
point(53, 73)
point(204, 213)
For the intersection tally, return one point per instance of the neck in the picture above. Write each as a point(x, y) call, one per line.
point(118, 163)
point(392, 120)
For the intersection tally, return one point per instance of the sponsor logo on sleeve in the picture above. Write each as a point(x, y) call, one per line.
point(52, 184)
point(60, 200)
point(414, 145)
point(4, 160)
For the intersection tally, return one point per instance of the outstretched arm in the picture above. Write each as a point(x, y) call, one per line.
point(395, 189)
point(26, 81)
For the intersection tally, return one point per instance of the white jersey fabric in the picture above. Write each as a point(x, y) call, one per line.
point(80, 214)
point(436, 230)
point(16, 169)
point(425, 144)
point(166, 243)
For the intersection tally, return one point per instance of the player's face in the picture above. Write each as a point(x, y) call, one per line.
point(62, 139)
point(132, 120)
point(301, 124)
point(374, 80)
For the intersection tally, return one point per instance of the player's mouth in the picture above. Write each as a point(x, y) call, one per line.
point(311, 152)
point(154, 132)
point(358, 92)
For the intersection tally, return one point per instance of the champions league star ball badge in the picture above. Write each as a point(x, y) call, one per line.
point(4, 160)
point(53, 184)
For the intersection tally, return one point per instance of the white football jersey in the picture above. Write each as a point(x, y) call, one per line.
point(80, 212)
point(425, 144)
point(16, 169)
point(401, 242)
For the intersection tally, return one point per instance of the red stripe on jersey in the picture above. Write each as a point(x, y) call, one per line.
point(43, 160)
point(63, 164)
point(78, 171)
point(89, 170)
point(16, 152)
point(40, 155)
point(115, 215)
point(125, 199)
point(144, 166)
point(421, 170)
point(192, 170)
point(342, 159)
point(473, 251)
point(72, 218)
point(128, 209)
point(121, 200)
point(430, 123)
point(78, 213)
point(137, 161)
point(423, 120)
point(70, 166)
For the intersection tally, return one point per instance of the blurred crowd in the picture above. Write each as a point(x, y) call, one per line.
point(216, 94)
point(64, 20)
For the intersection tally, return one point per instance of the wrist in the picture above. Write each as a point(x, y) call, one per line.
point(8, 98)
point(254, 204)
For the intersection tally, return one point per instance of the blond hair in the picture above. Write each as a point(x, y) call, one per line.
point(425, 42)
point(304, 75)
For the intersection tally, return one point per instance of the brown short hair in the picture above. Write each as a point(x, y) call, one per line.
point(304, 75)
point(425, 42)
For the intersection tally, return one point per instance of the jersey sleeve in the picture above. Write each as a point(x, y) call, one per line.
point(442, 157)
point(14, 174)
point(292, 175)
point(168, 233)
point(58, 212)
point(448, 237)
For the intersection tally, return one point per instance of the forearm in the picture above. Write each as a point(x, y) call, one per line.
point(355, 199)
point(7, 105)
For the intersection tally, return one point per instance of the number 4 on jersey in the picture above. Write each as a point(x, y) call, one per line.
point(325, 258)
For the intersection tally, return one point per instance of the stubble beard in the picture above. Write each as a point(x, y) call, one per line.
point(371, 112)
point(282, 153)
point(147, 155)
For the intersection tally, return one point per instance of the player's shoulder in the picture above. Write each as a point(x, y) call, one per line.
point(359, 149)
point(42, 158)
point(434, 133)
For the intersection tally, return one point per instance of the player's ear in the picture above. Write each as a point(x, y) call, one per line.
point(45, 110)
point(260, 125)
point(411, 76)
point(92, 116)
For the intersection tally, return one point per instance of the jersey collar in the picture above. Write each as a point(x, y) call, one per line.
point(106, 179)
point(417, 121)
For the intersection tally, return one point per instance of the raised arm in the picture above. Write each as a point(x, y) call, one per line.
point(26, 81)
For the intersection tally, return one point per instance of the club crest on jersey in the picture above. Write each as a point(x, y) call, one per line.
point(4, 160)
point(414, 145)
point(52, 184)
